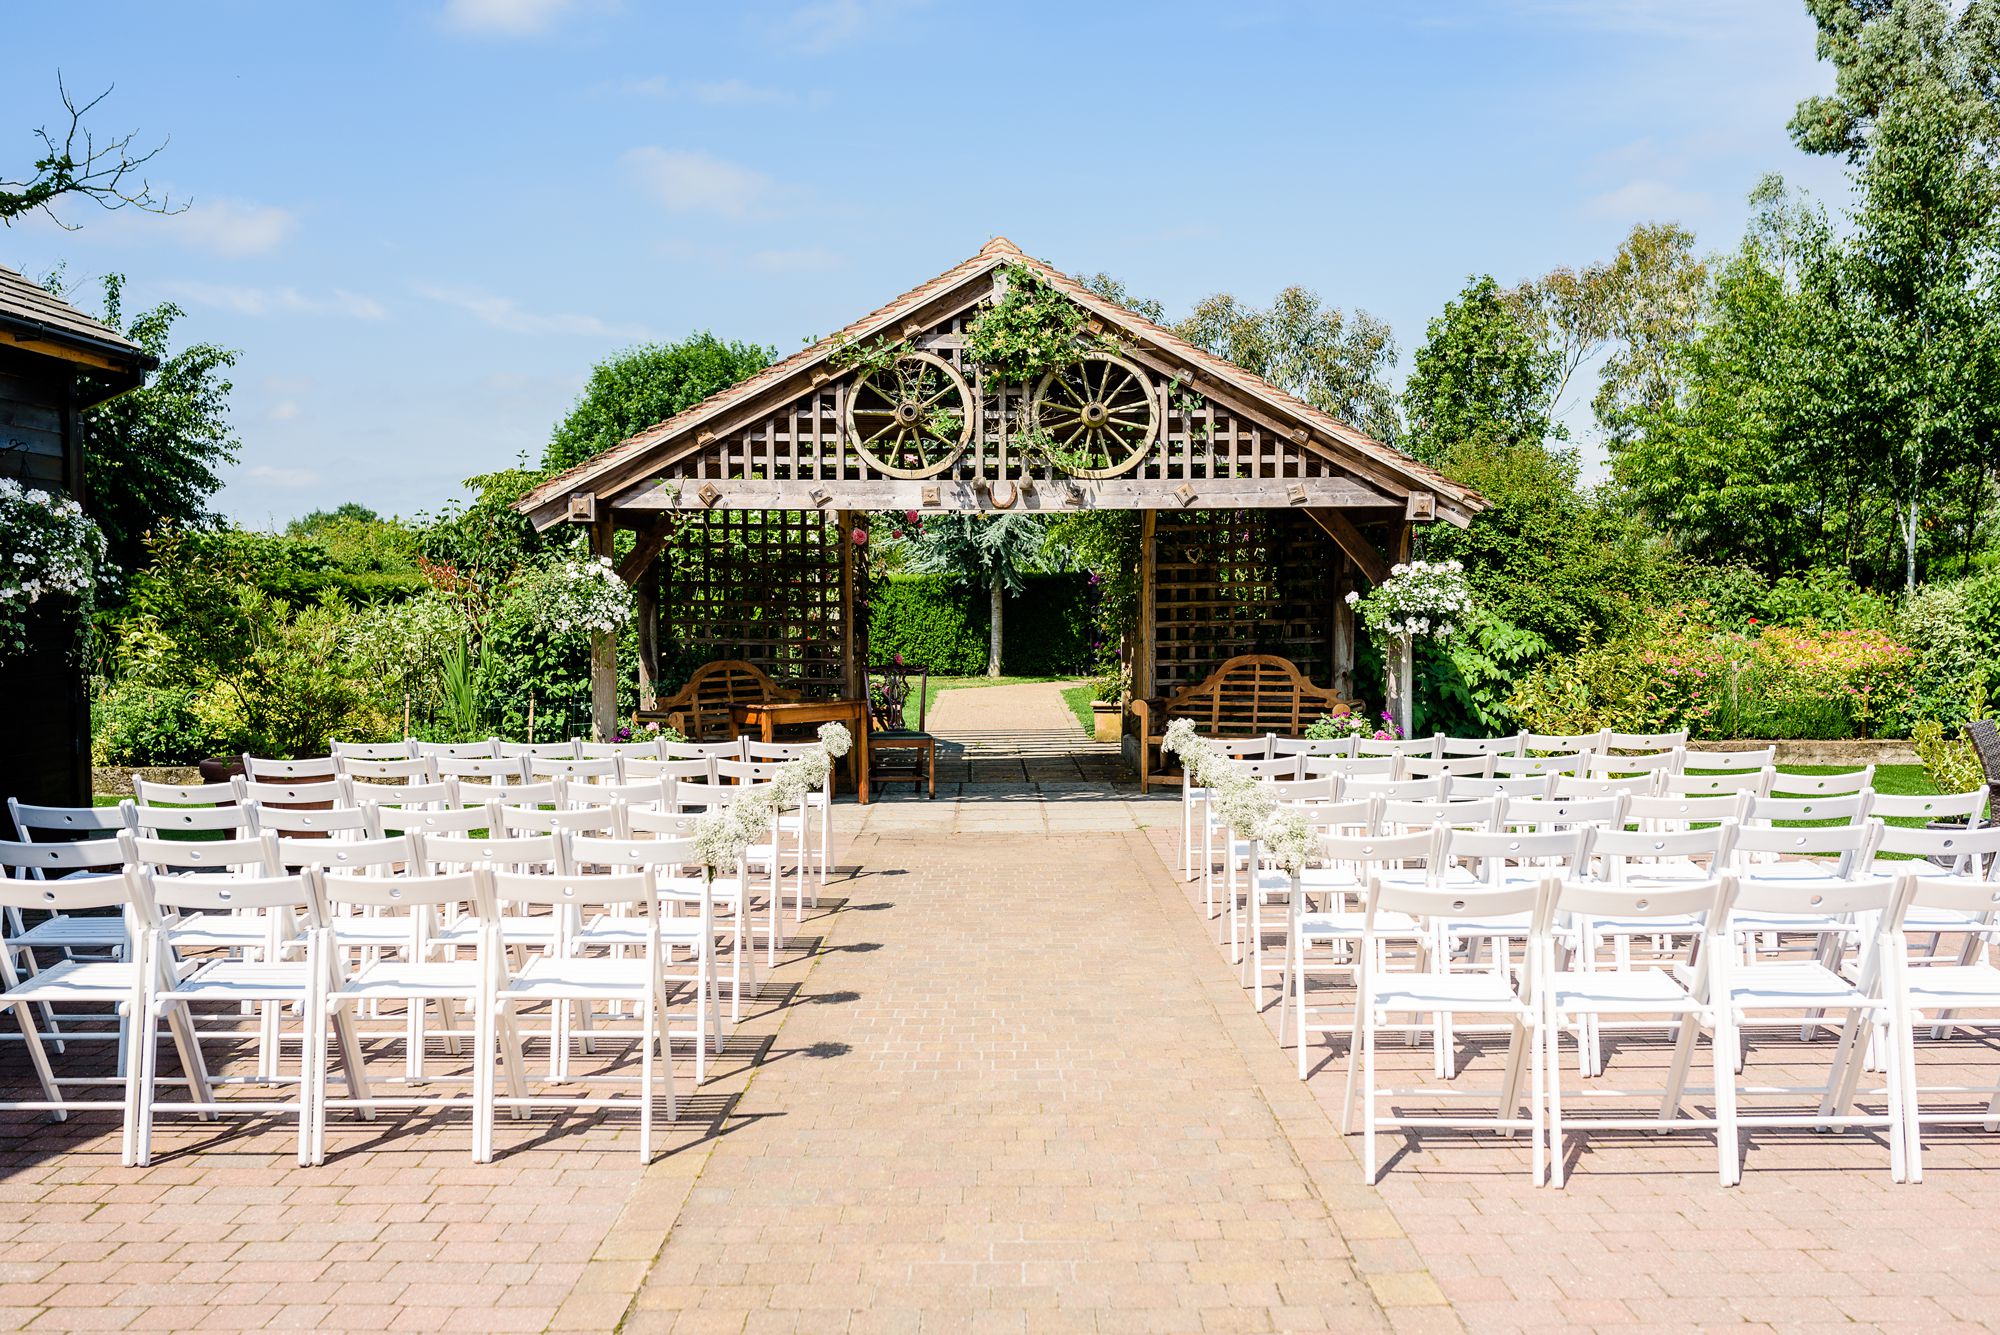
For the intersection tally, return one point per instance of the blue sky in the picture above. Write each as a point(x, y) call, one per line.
point(422, 222)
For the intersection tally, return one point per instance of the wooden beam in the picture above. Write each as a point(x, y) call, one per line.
point(1348, 538)
point(646, 619)
point(959, 494)
point(651, 541)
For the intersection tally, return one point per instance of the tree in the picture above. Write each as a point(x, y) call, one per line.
point(73, 164)
point(1483, 375)
point(1653, 289)
point(1338, 364)
point(1907, 301)
point(995, 550)
point(645, 385)
point(150, 457)
point(1104, 285)
point(319, 521)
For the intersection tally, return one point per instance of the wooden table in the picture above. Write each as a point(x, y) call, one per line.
point(767, 716)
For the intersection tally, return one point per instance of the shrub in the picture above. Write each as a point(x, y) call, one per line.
point(1950, 761)
point(1047, 628)
point(1682, 671)
point(136, 725)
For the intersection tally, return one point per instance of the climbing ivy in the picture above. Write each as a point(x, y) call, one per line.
point(1031, 330)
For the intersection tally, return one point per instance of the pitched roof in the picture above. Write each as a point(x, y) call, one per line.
point(41, 316)
point(998, 253)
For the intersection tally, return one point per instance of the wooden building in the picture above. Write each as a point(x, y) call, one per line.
point(55, 362)
point(1259, 512)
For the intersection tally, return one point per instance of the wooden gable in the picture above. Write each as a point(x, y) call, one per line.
point(1203, 434)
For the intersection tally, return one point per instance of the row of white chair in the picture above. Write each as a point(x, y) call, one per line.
point(1443, 746)
point(551, 921)
point(1425, 892)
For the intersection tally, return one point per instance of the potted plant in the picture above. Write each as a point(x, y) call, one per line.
point(1107, 711)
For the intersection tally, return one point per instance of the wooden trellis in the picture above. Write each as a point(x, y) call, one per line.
point(763, 586)
point(1230, 582)
point(1263, 504)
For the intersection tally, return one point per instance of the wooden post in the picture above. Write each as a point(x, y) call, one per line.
point(1343, 629)
point(1142, 671)
point(853, 637)
point(1398, 660)
point(646, 611)
point(603, 647)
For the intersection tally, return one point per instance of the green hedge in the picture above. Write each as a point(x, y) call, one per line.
point(932, 620)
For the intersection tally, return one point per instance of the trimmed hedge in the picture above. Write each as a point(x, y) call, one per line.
point(935, 621)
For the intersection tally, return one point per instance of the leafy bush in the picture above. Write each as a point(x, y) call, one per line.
point(1950, 761)
point(1683, 671)
point(133, 724)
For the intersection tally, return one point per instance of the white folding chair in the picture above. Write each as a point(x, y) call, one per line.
point(118, 985)
point(283, 977)
point(539, 750)
point(271, 769)
point(487, 769)
point(1495, 993)
point(148, 793)
point(1782, 993)
point(1457, 767)
point(401, 750)
point(1613, 740)
point(1479, 746)
point(1581, 995)
point(455, 986)
point(819, 801)
point(1194, 799)
point(486, 747)
point(632, 977)
point(409, 769)
point(1784, 783)
point(679, 883)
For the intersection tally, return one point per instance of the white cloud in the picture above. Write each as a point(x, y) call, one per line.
point(232, 227)
point(283, 477)
point(284, 410)
point(685, 181)
point(821, 25)
point(505, 314)
point(1650, 200)
point(508, 18)
point(272, 300)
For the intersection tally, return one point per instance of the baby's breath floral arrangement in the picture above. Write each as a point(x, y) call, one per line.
point(1420, 598)
point(1245, 804)
point(573, 597)
point(723, 835)
point(48, 547)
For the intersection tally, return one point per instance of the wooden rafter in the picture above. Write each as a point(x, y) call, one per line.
point(652, 540)
point(1349, 539)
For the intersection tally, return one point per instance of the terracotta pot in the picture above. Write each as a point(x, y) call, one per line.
point(219, 769)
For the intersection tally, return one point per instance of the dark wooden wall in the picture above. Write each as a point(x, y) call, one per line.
point(44, 701)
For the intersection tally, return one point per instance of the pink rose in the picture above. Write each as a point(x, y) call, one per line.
point(860, 536)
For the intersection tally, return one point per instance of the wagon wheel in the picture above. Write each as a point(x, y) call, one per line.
point(911, 419)
point(1099, 412)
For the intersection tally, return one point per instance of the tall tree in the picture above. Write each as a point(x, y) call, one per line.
point(150, 457)
point(1336, 362)
point(995, 550)
point(641, 386)
point(1483, 374)
point(1908, 300)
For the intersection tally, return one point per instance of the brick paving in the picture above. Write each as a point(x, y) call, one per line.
point(1005, 1079)
point(1015, 1098)
point(1817, 1235)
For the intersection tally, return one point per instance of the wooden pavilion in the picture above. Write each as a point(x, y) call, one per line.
point(1259, 511)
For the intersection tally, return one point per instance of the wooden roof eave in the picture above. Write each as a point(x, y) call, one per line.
point(617, 483)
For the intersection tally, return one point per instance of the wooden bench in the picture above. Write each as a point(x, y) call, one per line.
point(700, 709)
point(1248, 696)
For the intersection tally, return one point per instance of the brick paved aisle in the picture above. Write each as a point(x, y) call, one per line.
point(1020, 1092)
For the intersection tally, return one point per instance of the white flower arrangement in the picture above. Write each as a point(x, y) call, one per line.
point(1419, 598)
point(48, 547)
point(1246, 805)
point(721, 836)
point(579, 596)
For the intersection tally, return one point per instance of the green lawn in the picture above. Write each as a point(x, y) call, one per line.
point(1079, 699)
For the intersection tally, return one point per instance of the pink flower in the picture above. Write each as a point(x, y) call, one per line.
point(860, 536)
